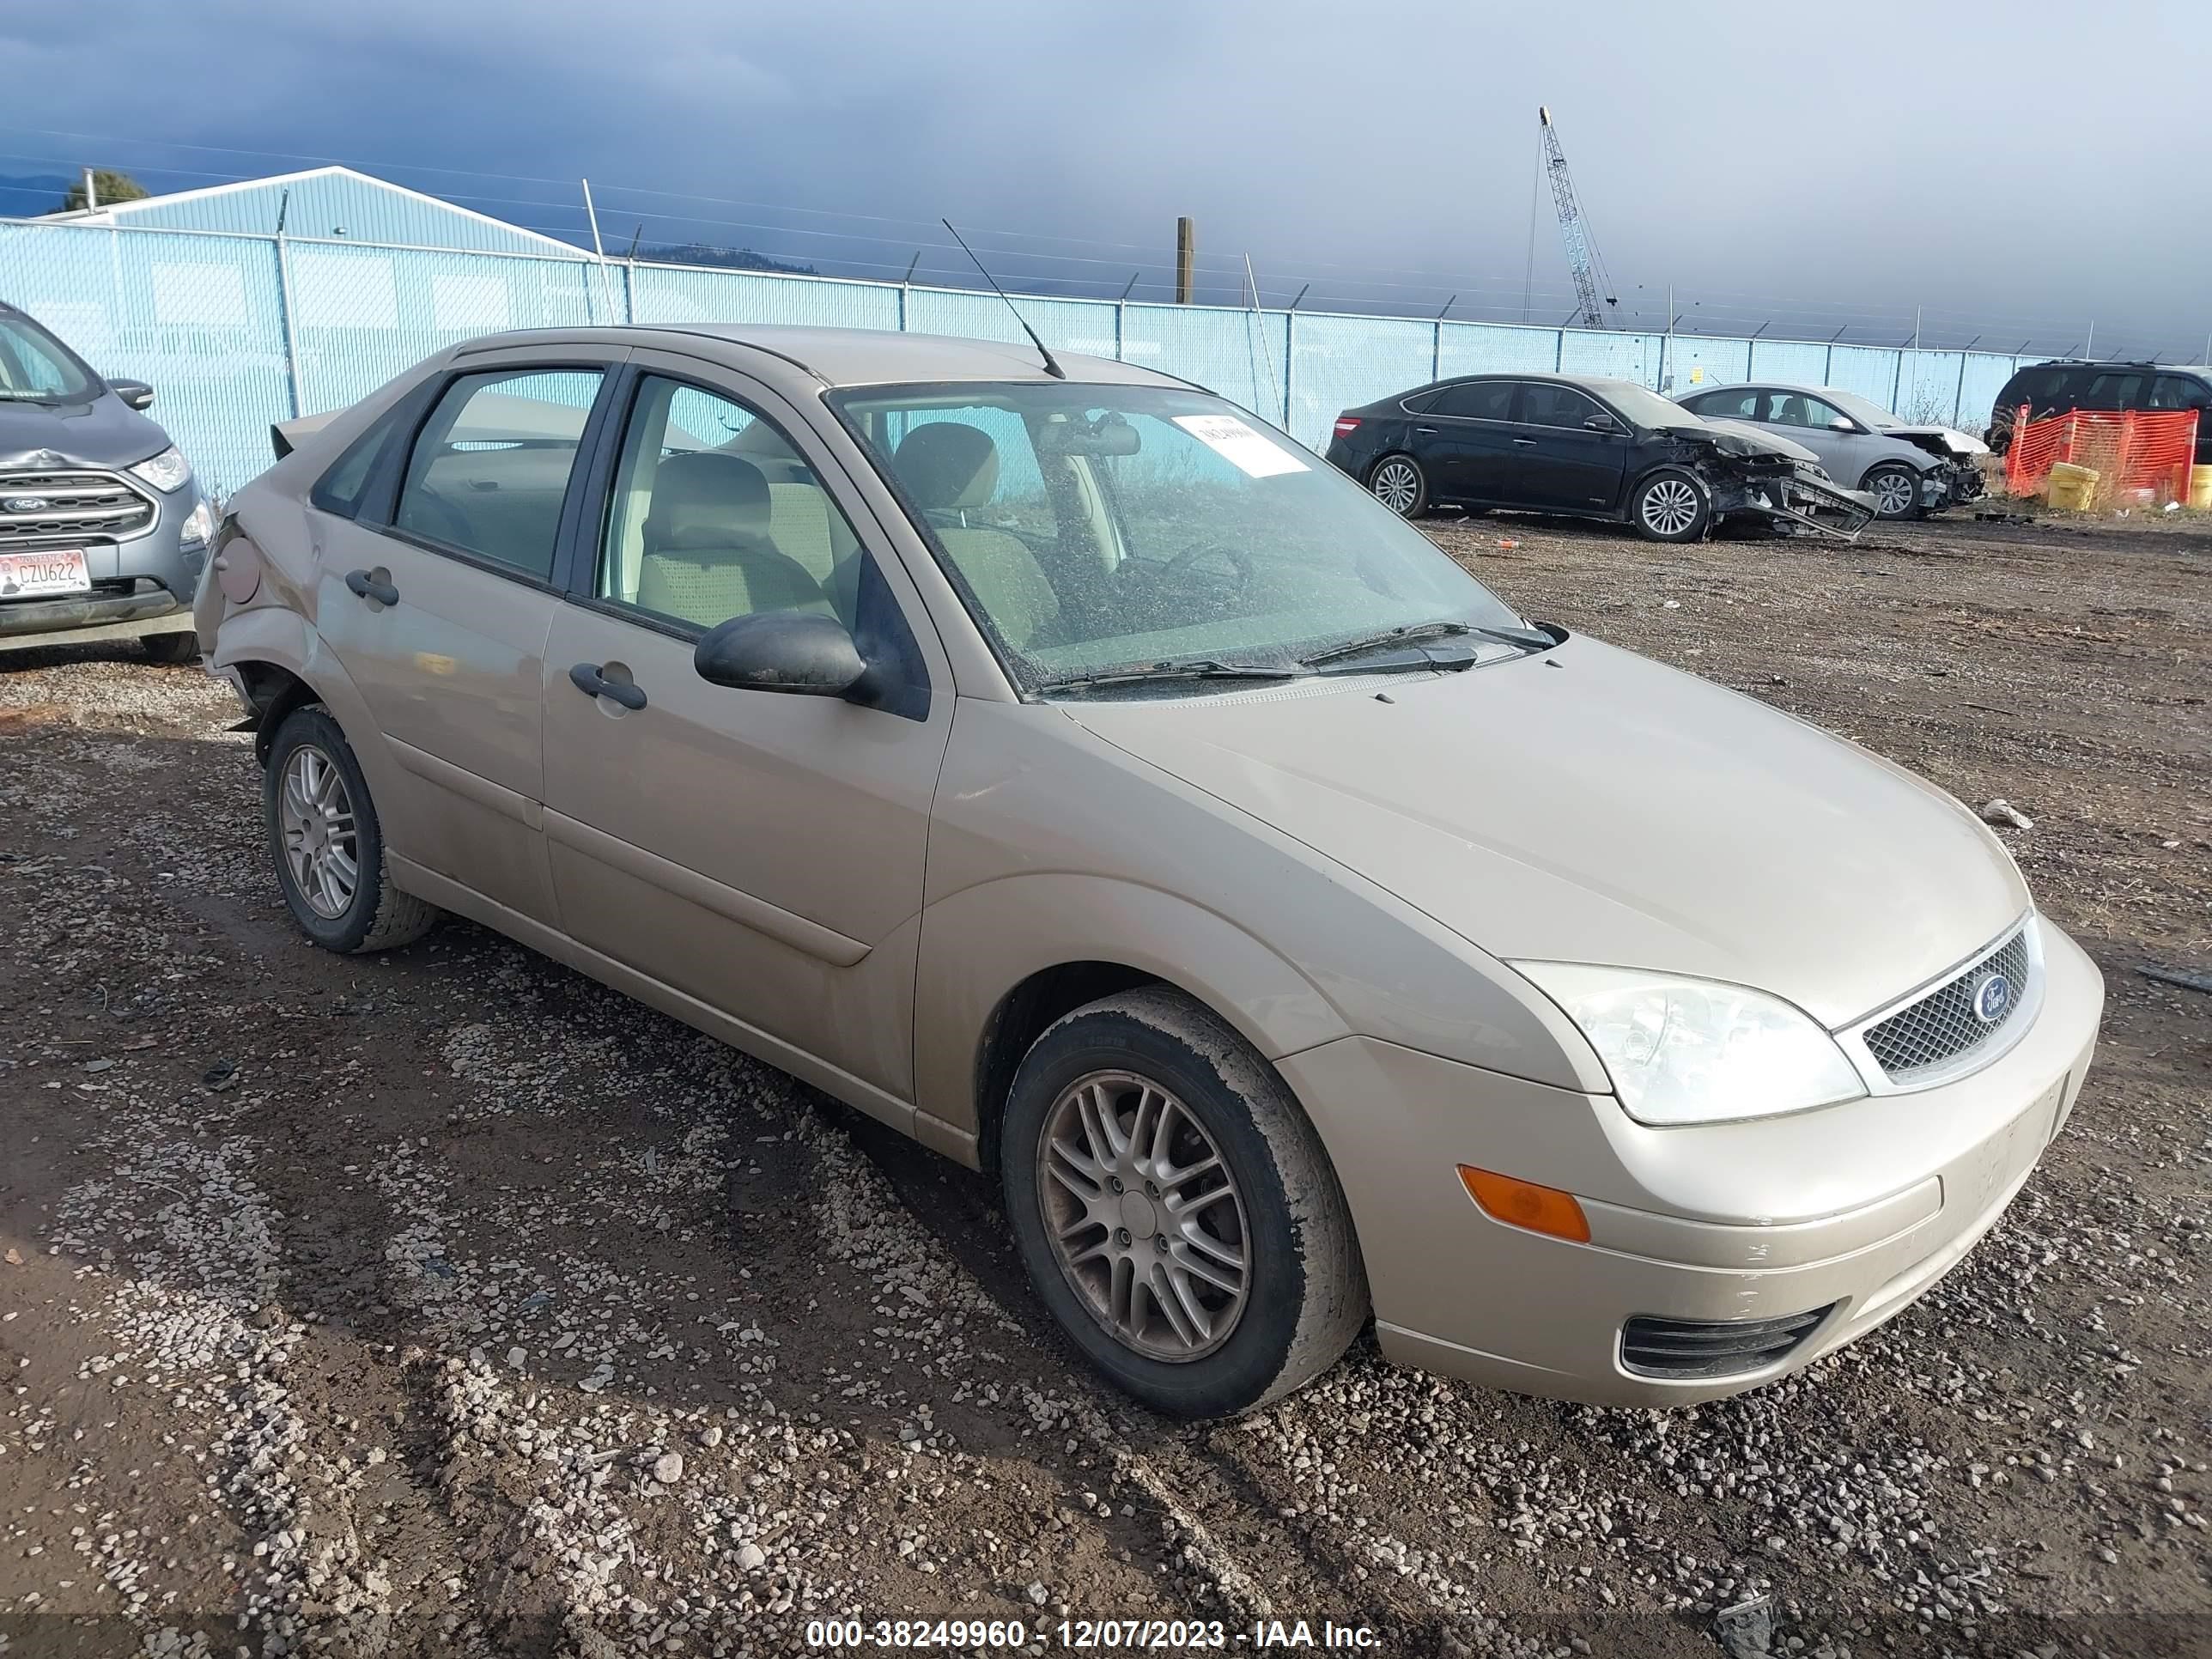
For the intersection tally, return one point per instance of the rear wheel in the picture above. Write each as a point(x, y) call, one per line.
point(1671, 505)
point(172, 649)
point(1399, 484)
point(1895, 489)
point(327, 844)
point(1174, 1208)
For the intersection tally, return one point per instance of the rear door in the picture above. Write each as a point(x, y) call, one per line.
point(1560, 461)
point(1465, 441)
point(436, 598)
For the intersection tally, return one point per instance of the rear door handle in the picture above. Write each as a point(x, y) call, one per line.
point(366, 586)
point(1426, 431)
point(586, 677)
point(1524, 443)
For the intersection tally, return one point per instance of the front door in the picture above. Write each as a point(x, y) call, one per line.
point(436, 598)
point(1564, 464)
point(1846, 449)
point(759, 851)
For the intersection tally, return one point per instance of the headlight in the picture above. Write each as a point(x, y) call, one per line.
point(1696, 1050)
point(166, 472)
point(199, 526)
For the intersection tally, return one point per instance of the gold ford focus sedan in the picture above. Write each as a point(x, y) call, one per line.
point(1058, 763)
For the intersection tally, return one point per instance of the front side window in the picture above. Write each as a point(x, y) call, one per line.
point(1544, 403)
point(490, 466)
point(2179, 391)
point(1795, 409)
point(1145, 525)
point(36, 368)
point(714, 514)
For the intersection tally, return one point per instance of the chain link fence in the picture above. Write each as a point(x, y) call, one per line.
point(236, 332)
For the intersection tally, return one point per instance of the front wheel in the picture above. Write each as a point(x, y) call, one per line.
point(1399, 484)
point(1670, 506)
point(327, 843)
point(1896, 491)
point(1175, 1210)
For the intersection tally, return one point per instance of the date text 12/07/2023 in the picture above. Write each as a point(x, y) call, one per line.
point(1092, 1635)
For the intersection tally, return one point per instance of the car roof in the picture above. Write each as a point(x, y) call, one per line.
point(836, 356)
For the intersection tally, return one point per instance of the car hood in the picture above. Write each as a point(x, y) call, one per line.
point(104, 431)
point(1586, 805)
point(1765, 441)
point(1957, 442)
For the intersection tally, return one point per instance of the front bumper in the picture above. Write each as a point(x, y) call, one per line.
point(141, 586)
point(1856, 1209)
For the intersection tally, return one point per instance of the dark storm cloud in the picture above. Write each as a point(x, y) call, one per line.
point(1823, 167)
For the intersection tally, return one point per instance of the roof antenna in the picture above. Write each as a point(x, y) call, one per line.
point(1051, 368)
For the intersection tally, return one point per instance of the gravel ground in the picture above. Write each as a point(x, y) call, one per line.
point(445, 1303)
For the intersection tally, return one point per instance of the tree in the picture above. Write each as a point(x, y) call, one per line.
point(111, 186)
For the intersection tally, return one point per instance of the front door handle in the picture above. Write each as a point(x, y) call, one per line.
point(586, 677)
point(367, 586)
point(1426, 431)
point(1524, 443)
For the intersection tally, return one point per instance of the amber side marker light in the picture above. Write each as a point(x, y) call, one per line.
point(1524, 1204)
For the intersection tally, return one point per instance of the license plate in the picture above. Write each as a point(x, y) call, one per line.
point(44, 573)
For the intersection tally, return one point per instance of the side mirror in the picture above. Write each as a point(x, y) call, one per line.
point(1841, 425)
point(795, 651)
point(1602, 423)
point(135, 393)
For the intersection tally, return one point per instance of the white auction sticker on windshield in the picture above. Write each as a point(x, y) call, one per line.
point(1241, 446)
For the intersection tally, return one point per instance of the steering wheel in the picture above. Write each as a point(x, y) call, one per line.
point(1239, 560)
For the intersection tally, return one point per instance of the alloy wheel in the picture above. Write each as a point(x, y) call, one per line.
point(1670, 507)
point(1397, 486)
point(320, 845)
point(1893, 493)
point(1144, 1215)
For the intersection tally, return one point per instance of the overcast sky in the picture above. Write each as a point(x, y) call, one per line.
point(2015, 170)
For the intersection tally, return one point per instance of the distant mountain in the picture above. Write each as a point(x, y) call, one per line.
point(25, 196)
point(728, 259)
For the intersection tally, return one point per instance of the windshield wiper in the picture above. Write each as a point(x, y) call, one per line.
point(1203, 668)
point(1529, 639)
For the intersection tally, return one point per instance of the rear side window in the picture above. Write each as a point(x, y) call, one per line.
point(340, 490)
point(1738, 404)
point(2112, 391)
point(1476, 400)
point(490, 468)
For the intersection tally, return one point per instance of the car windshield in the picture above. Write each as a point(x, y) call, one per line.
point(1097, 528)
point(35, 367)
point(1644, 407)
point(1866, 414)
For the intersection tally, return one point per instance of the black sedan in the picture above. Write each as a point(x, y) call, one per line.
point(1591, 448)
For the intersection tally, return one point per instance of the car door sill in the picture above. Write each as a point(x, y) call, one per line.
point(825, 944)
point(857, 1092)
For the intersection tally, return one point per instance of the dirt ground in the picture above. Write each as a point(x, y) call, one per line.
point(445, 1303)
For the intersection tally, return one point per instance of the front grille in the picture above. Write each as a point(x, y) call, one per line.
point(1945, 1023)
point(69, 509)
point(1684, 1349)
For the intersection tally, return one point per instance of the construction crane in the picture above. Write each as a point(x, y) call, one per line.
point(1582, 252)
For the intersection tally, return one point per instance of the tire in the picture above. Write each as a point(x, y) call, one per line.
point(1671, 505)
point(172, 650)
point(1893, 481)
point(1301, 1295)
point(369, 914)
point(1398, 482)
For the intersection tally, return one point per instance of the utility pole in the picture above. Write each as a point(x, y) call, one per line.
point(2089, 350)
point(599, 253)
point(1185, 257)
point(91, 191)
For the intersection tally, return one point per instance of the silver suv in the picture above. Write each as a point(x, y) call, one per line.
point(103, 528)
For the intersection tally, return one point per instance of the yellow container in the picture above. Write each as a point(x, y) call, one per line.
point(2200, 486)
point(2071, 486)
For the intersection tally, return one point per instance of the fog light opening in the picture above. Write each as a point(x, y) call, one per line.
point(1525, 1205)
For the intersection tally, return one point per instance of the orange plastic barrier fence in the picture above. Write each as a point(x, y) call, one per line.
point(2139, 455)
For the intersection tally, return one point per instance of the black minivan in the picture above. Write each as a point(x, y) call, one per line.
point(2055, 388)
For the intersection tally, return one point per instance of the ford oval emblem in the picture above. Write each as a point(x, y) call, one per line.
point(24, 504)
point(1992, 997)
